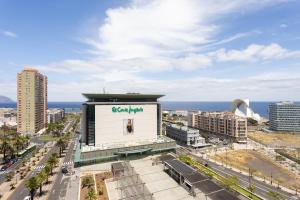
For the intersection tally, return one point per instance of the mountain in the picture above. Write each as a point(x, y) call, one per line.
point(4, 99)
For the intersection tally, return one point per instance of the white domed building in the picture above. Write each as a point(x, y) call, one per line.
point(240, 107)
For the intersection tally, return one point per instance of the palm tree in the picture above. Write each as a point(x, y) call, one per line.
point(4, 146)
point(251, 188)
point(274, 195)
point(27, 140)
point(52, 161)
point(19, 142)
point(47, 171)
point(41, 179)
point(32, 184)
point(231, 182)
point(91, 195)
point(61, 144)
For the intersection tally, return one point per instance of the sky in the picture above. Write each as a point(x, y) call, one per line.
point(189, 50)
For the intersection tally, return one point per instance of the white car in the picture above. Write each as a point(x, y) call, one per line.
point(27, 198)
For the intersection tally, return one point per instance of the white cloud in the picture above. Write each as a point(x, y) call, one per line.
point(283, 25)
point(255, 52)
point(9, 34)
point(165, 36)
point(190, 89)
point(146, 29)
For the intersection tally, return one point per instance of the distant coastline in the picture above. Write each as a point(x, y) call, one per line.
point(258, 107)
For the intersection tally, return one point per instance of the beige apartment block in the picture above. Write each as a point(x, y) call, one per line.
point(31, 101)
point(224, 123)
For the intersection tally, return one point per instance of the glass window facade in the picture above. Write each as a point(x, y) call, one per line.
point(90, 119)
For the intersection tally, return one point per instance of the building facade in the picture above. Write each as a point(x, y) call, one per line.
point(284, 116)
point(118, 125)
point(223, 123)
point(31, 101)
point(55, 115)
point(185, 135)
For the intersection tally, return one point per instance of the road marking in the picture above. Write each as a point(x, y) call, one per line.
point(68, 163)
point(39, 167)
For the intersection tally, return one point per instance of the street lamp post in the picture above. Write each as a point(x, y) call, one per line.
point(271, 178)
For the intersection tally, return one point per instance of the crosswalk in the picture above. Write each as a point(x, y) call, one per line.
point(40, 167)
point(4, 172)
point(68, 163)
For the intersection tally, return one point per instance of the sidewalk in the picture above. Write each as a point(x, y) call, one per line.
point(73, 187)
point(5, 187)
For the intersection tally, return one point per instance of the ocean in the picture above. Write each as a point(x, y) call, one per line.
point(258, 107)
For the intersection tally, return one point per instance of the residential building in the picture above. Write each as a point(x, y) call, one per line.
point(223, 123)
point(284, 116)
point(185, 135)
point(31, 101)
point(8, 117)
point(192, 122)
point(121, 125)
point(55, 115)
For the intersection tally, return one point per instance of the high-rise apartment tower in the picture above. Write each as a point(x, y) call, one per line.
point(31, 101)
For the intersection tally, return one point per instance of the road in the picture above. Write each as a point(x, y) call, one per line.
point(261, 187)
point(21, 191)
point(59, 188)
point(12, 168)
point(19, 162)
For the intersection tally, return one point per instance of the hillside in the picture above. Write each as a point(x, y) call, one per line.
point(4, 99)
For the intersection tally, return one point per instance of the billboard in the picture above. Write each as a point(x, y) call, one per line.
point(125, 123)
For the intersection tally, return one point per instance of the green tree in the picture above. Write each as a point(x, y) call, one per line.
point(251, 188)
point(32, 184)
point(52, 162)
point(275, 195)
point(231, 182)
point(91, 195)
point(61, 143)
point(47, 171)
point(41, 178)
point(5, 146)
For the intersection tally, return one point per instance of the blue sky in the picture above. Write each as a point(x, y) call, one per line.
point(191, 50)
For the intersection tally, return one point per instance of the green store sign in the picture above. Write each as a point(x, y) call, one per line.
point(129, 109)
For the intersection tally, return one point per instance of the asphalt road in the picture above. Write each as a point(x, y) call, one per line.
point(261, 187)
point(19, 162)
point(21, 191)
point(12, 168)
point(59, 188)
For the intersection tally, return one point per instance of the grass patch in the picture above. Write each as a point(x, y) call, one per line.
point(276, 139)
point(261, 165)
point(47, 138)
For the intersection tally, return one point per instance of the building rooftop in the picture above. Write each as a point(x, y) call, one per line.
point(285, 103)
point(128, 97)
point(185, 128)
point(180, 167)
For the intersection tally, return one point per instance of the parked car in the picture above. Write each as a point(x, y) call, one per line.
point(64, 170)
point(27, 198)
point(3, 168)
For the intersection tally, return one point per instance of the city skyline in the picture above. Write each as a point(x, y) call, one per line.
point(188, 50)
